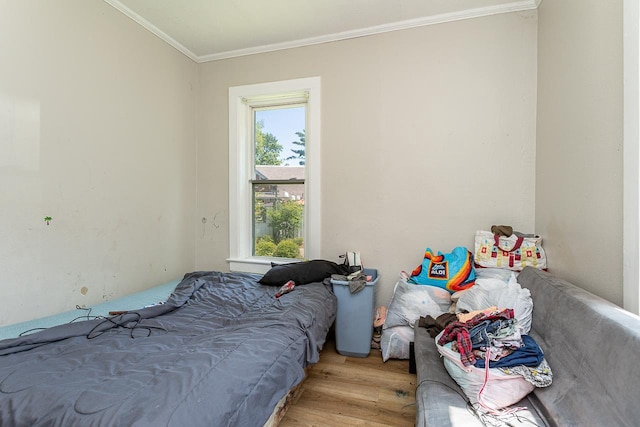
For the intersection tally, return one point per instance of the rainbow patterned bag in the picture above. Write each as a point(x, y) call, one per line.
point(453, 272)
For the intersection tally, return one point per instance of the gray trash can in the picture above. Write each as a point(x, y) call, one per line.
point(354, 319)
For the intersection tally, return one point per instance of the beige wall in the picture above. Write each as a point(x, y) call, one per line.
point(98, 131)
point(427, 135)
point(579, 142)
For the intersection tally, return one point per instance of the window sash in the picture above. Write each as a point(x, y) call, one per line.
point(241, 100)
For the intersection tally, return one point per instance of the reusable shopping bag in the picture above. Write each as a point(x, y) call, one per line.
point(511, 253)
point(453, 271)
point(490, 388)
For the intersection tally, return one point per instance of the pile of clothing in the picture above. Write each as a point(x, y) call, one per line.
point(492, 335)
point(489, 356)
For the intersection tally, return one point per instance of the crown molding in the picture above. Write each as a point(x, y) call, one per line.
point(395, 26)
point(516, 6)
point(152, 28)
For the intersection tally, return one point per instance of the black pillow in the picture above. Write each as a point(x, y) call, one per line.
point(301, 272)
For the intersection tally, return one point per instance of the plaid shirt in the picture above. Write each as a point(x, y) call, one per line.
point(459, 332)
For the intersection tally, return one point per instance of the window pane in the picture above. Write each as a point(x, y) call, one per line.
point(278, 220)
point(280, 136)
point(279, 155)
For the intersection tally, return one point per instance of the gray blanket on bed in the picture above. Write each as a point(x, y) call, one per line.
point(221, 352)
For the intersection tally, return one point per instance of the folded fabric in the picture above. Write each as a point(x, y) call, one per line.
point(502, 230)
point(539, 376)
point(357, 280)
point(459, 332)
point(437, 325)
point(495, 353)
point(464, 317)
point(530, 354)
point(482, 334)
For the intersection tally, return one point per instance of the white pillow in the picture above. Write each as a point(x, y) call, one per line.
point(495, 292)
point(494, 273)
point(395, 342)
point(410, 302)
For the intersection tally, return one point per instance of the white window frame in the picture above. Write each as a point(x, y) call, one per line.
point(241, 101)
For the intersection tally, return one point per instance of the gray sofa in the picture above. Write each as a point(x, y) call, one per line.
point(592, 346)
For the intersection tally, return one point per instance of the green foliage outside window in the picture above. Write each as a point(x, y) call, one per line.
point(260, 211)
point(287, 249)
point(299, 153)
point(267, 147)
point(285, 220)
point(265, 248)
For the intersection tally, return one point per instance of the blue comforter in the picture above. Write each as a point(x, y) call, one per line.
point(220, 352)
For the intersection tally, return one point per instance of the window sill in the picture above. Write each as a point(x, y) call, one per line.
point(259, 265)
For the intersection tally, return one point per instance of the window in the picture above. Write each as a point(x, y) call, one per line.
point(278, 180)
point(274, 173)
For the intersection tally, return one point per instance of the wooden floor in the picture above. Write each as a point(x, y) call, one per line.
point(354, 391)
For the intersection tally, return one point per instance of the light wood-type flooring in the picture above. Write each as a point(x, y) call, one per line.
point(354, 391)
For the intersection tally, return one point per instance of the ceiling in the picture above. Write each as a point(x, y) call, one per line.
point(208, 30)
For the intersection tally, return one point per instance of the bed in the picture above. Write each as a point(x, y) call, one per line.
point(221, 351)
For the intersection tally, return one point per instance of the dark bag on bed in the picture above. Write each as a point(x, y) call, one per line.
point(301, 272)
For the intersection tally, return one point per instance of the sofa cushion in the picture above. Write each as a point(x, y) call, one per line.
point(441, 402)
point(591, 346)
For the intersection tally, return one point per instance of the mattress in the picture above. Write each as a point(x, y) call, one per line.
point(222, 351)
point(129, 302)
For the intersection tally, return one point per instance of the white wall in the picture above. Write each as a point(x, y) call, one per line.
point(631, 156)
point(579, 148)
point(98, 131)
point(427, 135)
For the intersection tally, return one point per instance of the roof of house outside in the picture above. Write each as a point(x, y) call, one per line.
point(290, 191)
point(280, 172)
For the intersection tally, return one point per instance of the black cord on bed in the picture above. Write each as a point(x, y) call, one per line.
point(23, 333)
point(114, 320)
point(84, 317)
